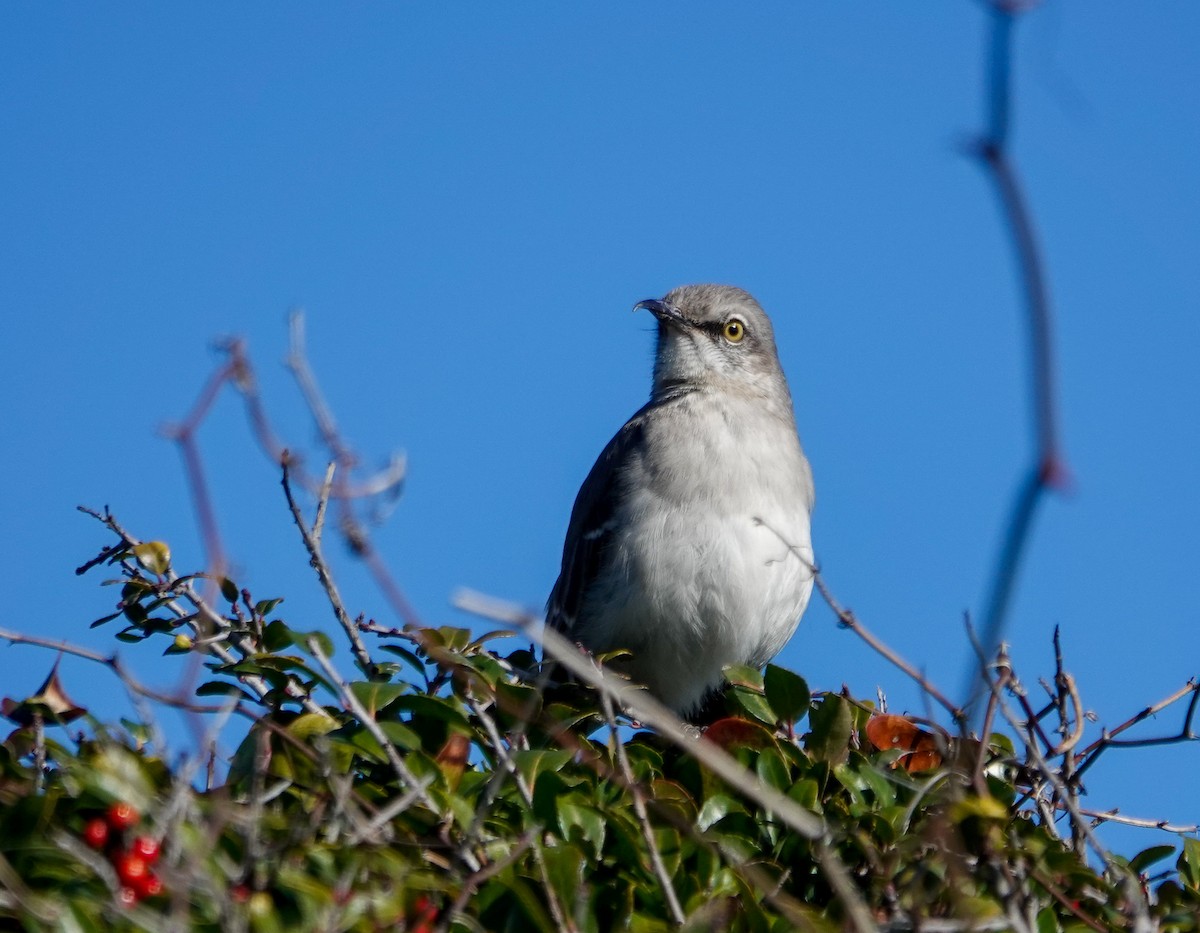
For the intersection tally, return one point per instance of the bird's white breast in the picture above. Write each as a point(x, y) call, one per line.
point(714, 562)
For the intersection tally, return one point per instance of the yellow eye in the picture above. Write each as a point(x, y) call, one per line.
point(734, 331)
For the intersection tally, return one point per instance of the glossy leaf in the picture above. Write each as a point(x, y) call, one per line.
point(787, 693)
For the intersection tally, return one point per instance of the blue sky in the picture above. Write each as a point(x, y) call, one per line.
point(467, 201)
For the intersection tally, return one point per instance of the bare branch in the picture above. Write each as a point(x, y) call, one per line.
point(323, 501)
point(113, 662)
point(1134, 895)
point(850, 621)
point(1048, 471)
point(317, 561)
point(1114, 816)
point(1089, 755)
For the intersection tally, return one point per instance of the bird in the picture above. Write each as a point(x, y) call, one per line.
point(689, 541)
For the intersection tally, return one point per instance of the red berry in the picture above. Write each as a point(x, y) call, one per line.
point(240, 893)
point(150, 886)
point(127, 897)
point(131, 869)
point(122, 816)
point(95, 833)
point(424, 915)
point(146, 847)
point(424, 909)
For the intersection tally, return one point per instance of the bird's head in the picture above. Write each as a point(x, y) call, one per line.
point(714, 336)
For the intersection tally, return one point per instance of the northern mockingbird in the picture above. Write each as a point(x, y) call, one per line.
point(689, 540)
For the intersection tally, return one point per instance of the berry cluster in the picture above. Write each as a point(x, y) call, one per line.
point(132, 856)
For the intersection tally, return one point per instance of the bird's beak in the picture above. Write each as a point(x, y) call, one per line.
point(665, 312)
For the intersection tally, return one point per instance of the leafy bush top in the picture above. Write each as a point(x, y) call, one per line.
point(447, 787)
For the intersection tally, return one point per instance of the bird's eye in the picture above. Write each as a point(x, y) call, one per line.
point(734, 330)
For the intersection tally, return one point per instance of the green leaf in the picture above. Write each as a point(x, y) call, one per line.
point(264, 607)
point(306, 725)
point(517, 705)
point(277, 636)
point(432, 708)
point(771, 769)
point(138, 730)
point(752, 703)
point(787, 693)
point(135, 612)
point(154, 556)
point(400, 735)
point(807, 793)
point(565, 869)
point(547, 789)
point(409, 657)
point(375, 696)
point(492, 636)
point(579, 821)
point(830, 725)
point(324, 642)
point(1147, 857)
point(740, 675)
point(223, 688)
point(533, 762)
point(673, 795)
point(1188, 863)
point(452, 638)
point(716, 808)
point(883, 789)
point(229, 590)
point(984, 808)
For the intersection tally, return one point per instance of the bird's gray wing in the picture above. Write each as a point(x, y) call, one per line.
point(590, 532)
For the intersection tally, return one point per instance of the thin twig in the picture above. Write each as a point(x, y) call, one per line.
point(351, 702)
point(323, 501)
point(391, 810)
point(1004, 674)
point(1115, 816)
point(639, 809)
point(849, 620)
point(317, 560)
point(1069, 904)
point(1048, 471)
point(184, 434)
point(471, 885)
point(1134, 895)
point(114, 663)
point(1067, 700)
point(1091, 753)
